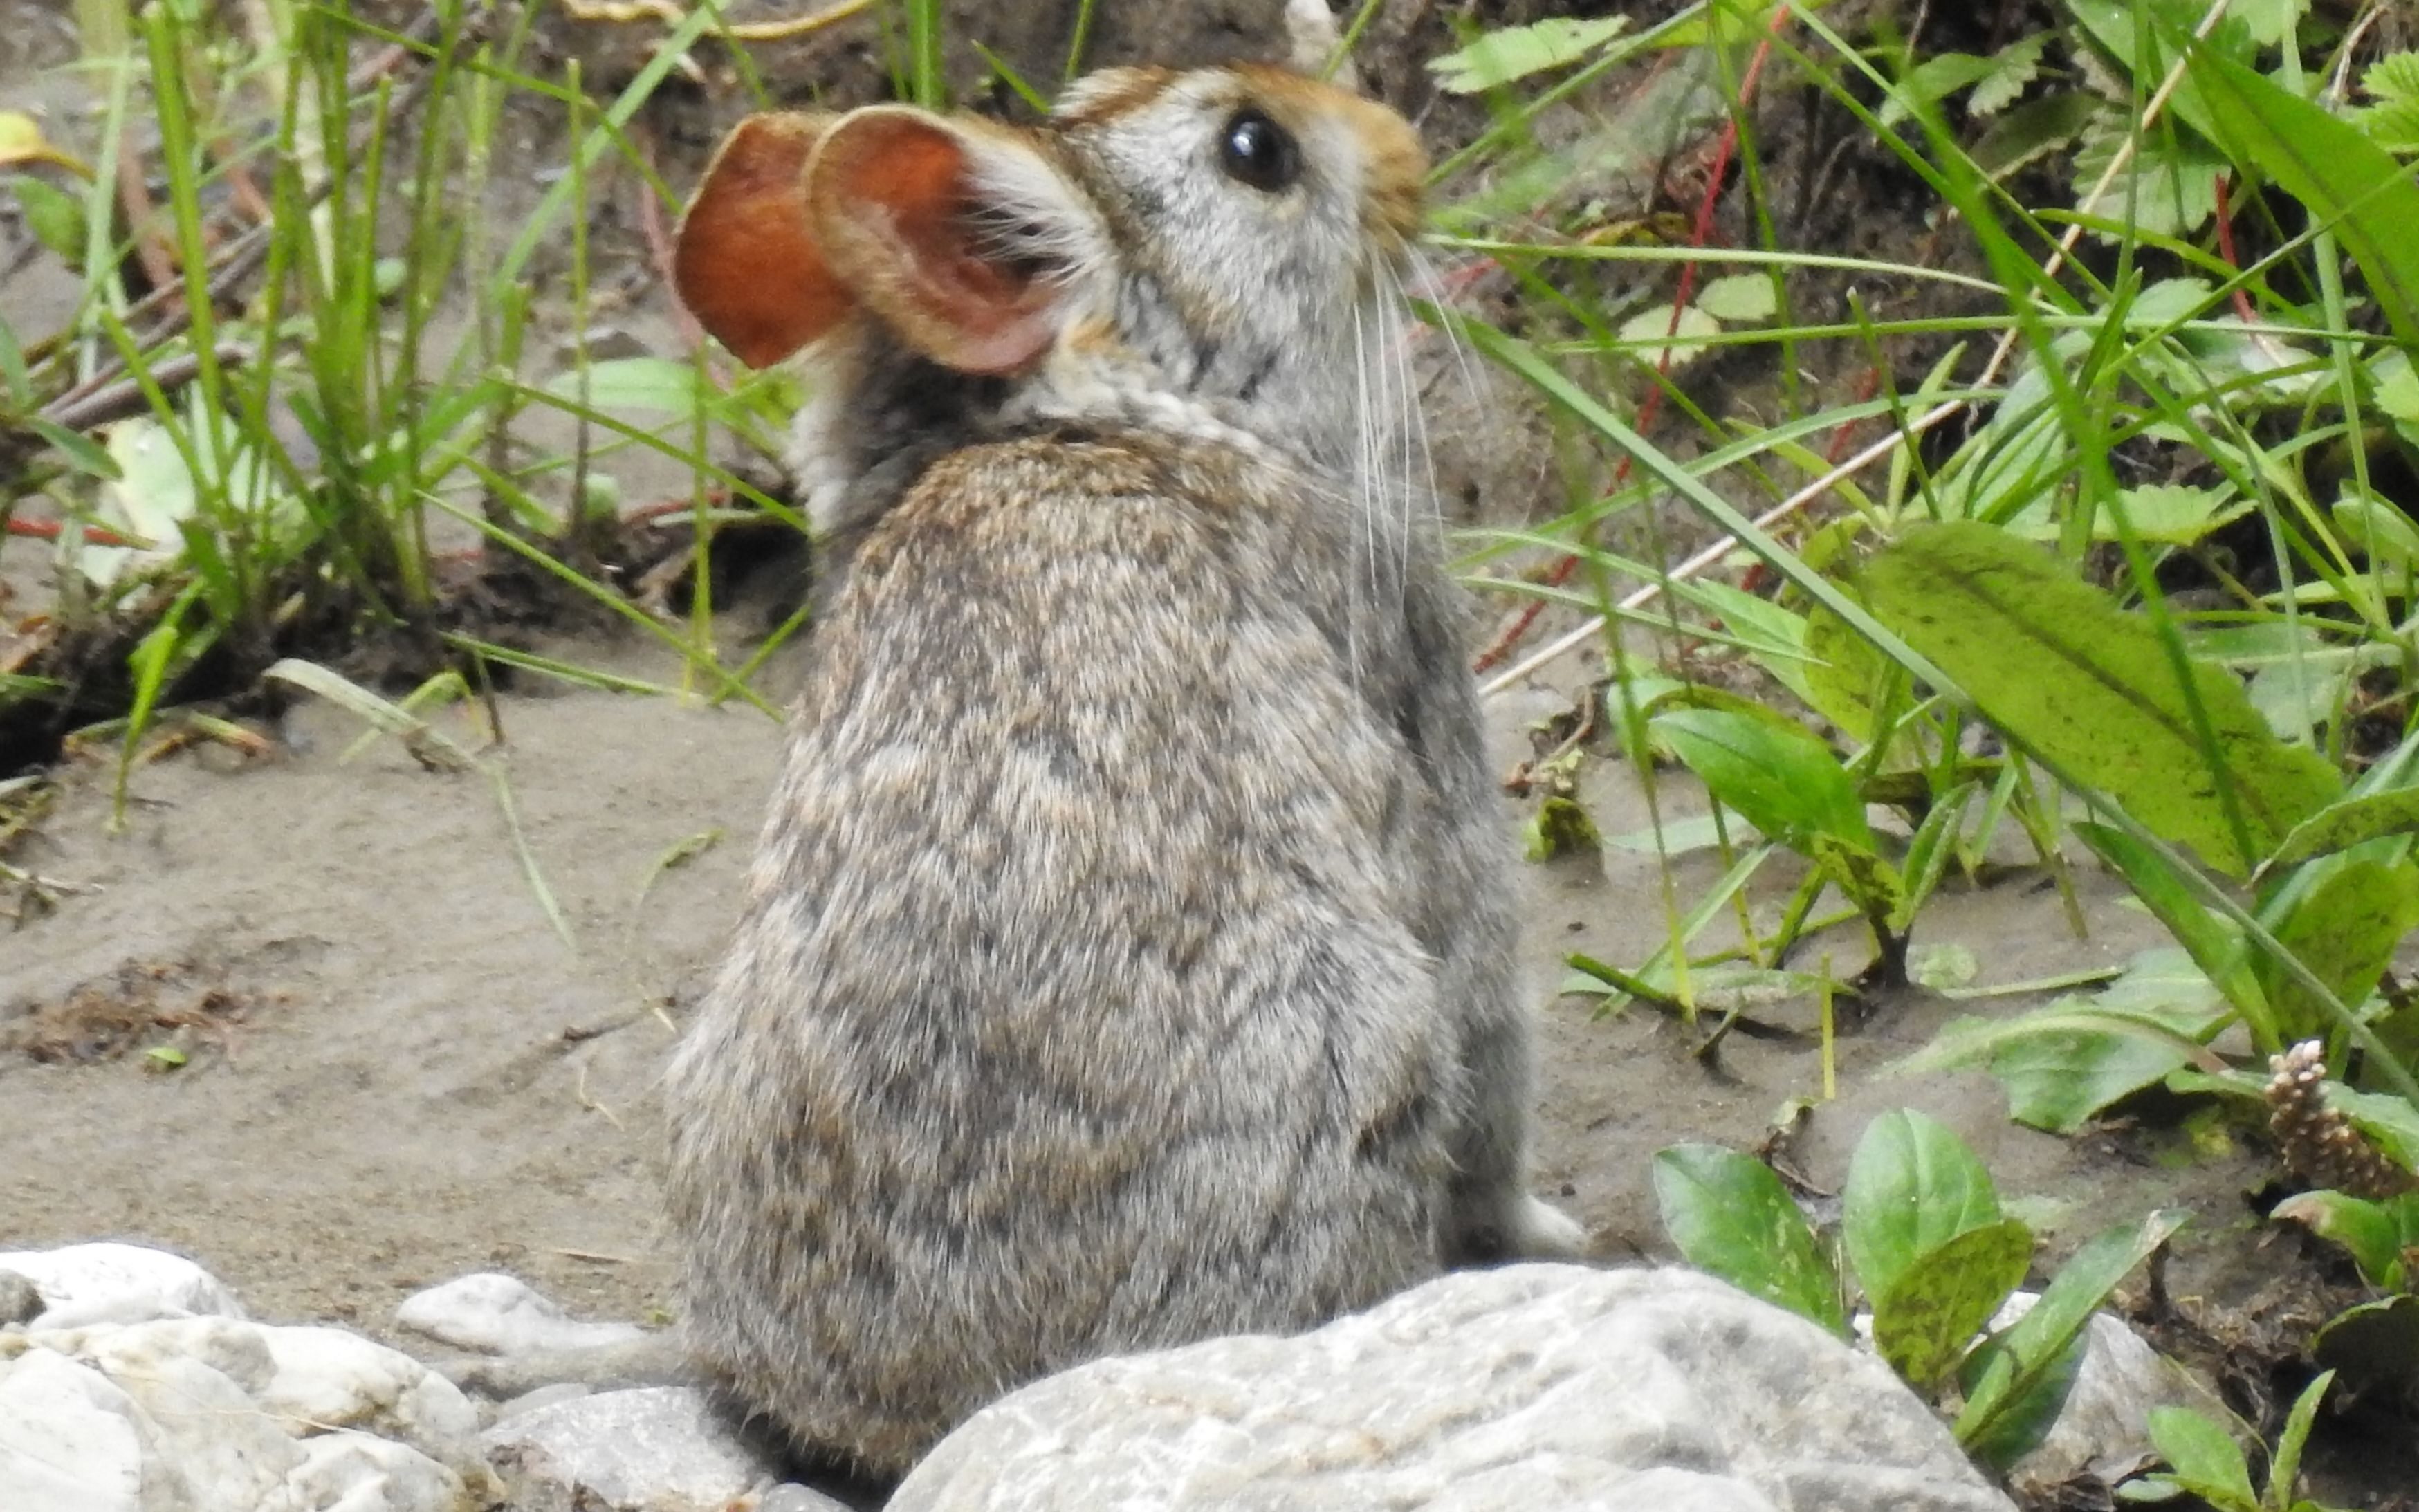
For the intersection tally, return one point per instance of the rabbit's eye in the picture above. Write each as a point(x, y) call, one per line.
point(1257, 151)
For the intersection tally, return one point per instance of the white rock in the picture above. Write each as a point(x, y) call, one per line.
point(1534, 1386)
point(325, 1377)
point(349, 1472)
point(502, 1315)
point(655, 1449)
point(84, 1284)
point(71, 1441)
point(231, 1454)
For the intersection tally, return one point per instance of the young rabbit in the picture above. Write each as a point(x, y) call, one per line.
point(1128, 955)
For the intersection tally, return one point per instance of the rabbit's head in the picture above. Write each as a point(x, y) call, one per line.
point(1213, 251)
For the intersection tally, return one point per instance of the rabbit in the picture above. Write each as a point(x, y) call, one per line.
point(1128, 955)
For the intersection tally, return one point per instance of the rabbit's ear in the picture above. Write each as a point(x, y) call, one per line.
point(746, 262)
point(956, 233)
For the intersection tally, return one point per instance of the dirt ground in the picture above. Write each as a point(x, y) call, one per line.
point(397, 1072)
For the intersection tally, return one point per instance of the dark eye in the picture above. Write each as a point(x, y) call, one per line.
point(1257, 151)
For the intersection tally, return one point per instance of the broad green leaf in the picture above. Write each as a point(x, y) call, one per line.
point(2346, 180)
point(1781, 779)
point(2366, 1230)
point(1775, 635)
point(1500, 57)
point(2202, 1459)
point(636, 383)
point(1912, 1187)
point(2062, 1068)
point(2031, 1411)
point(2065, 1062)
point(2375, 1346)
point(1849, 681)
point(2344, 927)
point(1931, 1312)
point(1657, 336)
point(2116, 26)
point(56, 218)
point(1740, 297)
point(1729, 1215)
point(2379, 530)
point(2054, 662)
point(2036, 1345)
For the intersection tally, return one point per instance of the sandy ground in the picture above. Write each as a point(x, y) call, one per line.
point(400, 1072)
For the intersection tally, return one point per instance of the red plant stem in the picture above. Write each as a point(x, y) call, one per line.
point(2225, 249)
point(1700, 236)
point(48, 530)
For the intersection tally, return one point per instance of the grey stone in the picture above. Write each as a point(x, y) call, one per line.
point(1527, 1387)
point(2103, 1429)
point(531, 1401)
point(19, 1299)
point(655, 1449)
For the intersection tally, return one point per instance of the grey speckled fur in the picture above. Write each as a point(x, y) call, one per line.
point(1129, 955)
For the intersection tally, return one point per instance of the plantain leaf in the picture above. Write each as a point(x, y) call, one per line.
point(1913, 1186)
point(1727, 1214)
point(2056, 663)
point(1930, 1313)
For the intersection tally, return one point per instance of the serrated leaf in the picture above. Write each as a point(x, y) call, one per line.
point(2168, 190)
point(2392, 119)
point(2013, 69)
point(2035, 130)
point(1500, 57)
point(1931, 81)
point(1729, 1216)
point(1912, 1187)
point(1651, 334)
point(2052, 660)
point(1931, 1312)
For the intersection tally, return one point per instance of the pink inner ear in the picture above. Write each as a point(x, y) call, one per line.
point(746, 263)
point(893, 200)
